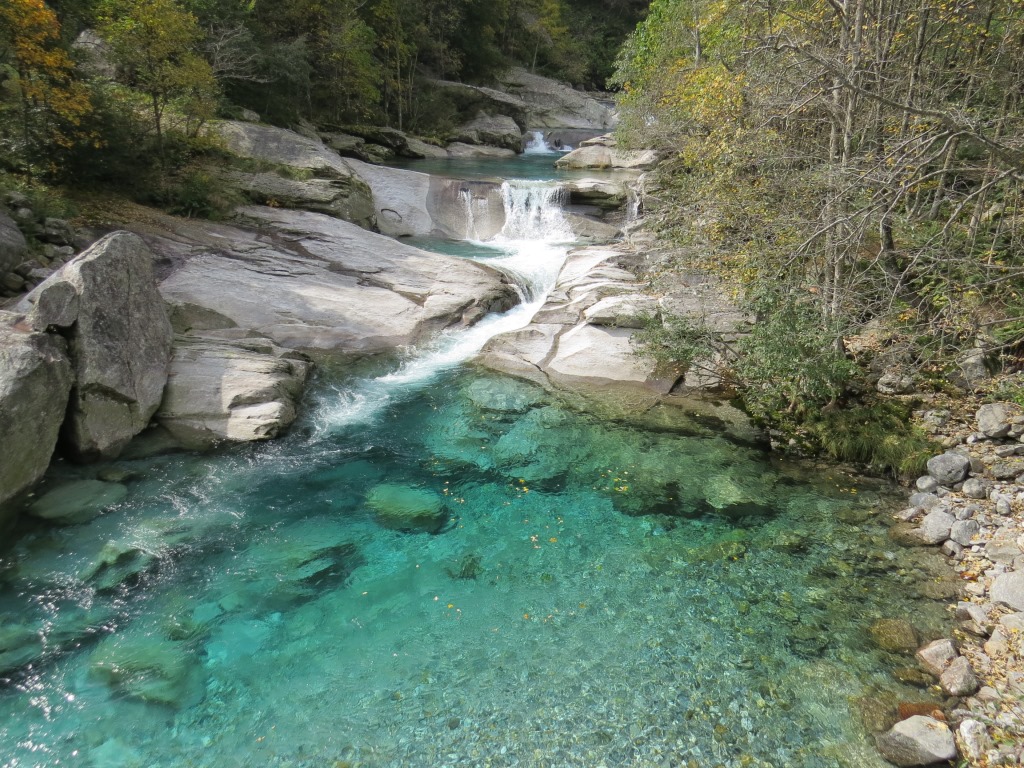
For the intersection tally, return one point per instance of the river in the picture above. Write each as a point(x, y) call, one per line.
point(594, 592)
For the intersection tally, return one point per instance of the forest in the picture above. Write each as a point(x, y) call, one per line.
point(167, 66)
point(853, 171)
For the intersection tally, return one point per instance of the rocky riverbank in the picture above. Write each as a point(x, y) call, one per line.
point(971, 504)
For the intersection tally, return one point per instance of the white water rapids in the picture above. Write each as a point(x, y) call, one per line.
point(530, 248)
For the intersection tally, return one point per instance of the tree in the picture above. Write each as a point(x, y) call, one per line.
point(155, 45)
point(41, 74)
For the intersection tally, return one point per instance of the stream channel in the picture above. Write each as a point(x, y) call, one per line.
point(603, 592)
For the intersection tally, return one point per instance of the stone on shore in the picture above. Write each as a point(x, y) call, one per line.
point(1008, 589)
point(937, 655)
point(35, 381)
point(994, 419)
point(936, 526)
point(949, 468)
point(334, 188)
point(958, 678)
point(917, 741)
point(221, 390)
point(499, 131)
point(106, 303)
point(608, 157)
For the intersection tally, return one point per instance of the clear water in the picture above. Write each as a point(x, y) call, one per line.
point(629, 590)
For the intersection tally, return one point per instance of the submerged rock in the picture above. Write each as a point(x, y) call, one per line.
point(35, 380)
point(503, 394)
point(894, 635)
point(78, 502)
point(150, 668)
point(405, 508)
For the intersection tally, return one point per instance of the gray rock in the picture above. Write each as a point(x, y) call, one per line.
point(1007, 469)
point(973, 366)
point(461, 149)
point(895, 383)
point(410, 203)
point(994, 419)
point(608, 157)
point(551, 104)
point(924, 500)
point(974, 739)
point(230, 391)
point(500, 131)
point(951, 549)
point(608, 195)
point(927, 484)
point(958, 678)
point(35, 380)
point(312, 282)
point(629, 311)
point(1004, 506)
point(964, 531)
point(56, 231)
point(976, 488)
point(287, 149)
point(1008, 589)
point(937, 655)
point(13, 246)
point(119, 341)
point(949, 468)
point(77, 502)
point(591, 231)
point(319, 195)
point(917, 741)
point(935, 527)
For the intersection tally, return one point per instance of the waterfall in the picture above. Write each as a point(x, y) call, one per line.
point(468, 201)
point(530, 248)
point(538, 145)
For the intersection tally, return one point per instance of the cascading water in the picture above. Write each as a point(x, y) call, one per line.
point(538, 145)
point(530, 248)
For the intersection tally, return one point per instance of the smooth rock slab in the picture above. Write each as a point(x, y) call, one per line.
point(78, 502)
point(1008, 589)
point(917, 741)
point(949, 468)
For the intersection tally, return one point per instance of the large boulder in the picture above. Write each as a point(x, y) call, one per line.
point(221, 390)
point(291, 156)
point(471, 99)
point(949, 468)
point(500, 131)
point(597, 156)
point(35, 380)
point(410, 203)
point(13, 247)
point(917, 741)
point(551, 104)
point(106, 303)
point(315, 283)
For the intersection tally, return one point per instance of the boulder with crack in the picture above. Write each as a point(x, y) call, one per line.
point(106, 303)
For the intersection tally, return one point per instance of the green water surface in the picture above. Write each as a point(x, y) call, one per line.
point(602, 592)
